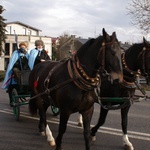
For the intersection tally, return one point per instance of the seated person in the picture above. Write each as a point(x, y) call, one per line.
point(38, 54)
point(18, 62)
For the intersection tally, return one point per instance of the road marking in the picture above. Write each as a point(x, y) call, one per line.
point(112, 131)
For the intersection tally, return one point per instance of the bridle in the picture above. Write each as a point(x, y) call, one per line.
point(103, 51)
point(133, 83)
point(81, 79)
point(143, 56)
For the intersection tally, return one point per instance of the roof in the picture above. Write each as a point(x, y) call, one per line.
point(83, 41)
point(23, 24)
point(125, 46)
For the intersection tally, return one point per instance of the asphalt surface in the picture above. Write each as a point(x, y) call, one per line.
point(23, 134)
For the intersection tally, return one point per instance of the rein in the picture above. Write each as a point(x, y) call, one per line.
point(125, 100)
point(46, 83)
point(48, 90)
point(86, 83)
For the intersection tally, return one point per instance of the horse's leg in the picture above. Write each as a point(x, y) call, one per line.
point(41, 127)
point(87, 116)
point(79, 120)
point(49, 135)
point(101, 121)
point(41, 123)
point(64, 116)
point(124, 116)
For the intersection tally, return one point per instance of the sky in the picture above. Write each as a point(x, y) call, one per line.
point(83, 18)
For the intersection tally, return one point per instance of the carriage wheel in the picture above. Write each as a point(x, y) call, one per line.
point(16, 108)
point(10, 88)
point(55, 110)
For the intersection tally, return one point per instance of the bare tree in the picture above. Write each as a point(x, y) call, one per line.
point(63, 38)
point(2, 29)
point(139, 10)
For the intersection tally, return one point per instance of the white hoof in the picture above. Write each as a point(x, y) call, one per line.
point(52, 143)
point(93, 138)
point(126, 143)
point(127, 147)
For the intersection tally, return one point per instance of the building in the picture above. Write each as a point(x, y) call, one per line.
point(21, 29)
point(71, 44)
point(18, 32)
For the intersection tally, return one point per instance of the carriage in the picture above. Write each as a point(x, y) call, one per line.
point(52, 75)
point(19, 95)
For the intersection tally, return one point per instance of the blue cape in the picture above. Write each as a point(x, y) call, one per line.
point(8, 77)
point(32, 56)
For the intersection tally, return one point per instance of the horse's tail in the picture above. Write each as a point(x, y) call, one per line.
point(34, 104)
point(33, 107)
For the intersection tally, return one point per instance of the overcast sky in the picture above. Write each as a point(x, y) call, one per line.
point(83, 18)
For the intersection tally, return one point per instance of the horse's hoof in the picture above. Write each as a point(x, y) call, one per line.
point(127, 147)
point(80, 124)
point(93, 138)
point(52, 143)
point(42, 133)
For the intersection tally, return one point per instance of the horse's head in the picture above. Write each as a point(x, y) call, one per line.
point(102, 54)
point(144, 60)
point(111, 57)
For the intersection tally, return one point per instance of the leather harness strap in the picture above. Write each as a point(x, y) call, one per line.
point(82, 80)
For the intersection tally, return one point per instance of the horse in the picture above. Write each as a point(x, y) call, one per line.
point(68, 84)
point(136, 58)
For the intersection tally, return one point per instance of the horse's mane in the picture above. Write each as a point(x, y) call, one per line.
point(85, 46)
point(135, 48)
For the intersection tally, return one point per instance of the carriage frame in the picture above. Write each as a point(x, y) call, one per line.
point(19, 95)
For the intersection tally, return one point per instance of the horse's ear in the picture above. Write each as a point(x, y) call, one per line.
point(105, 35)
point(145, 41)
point(114, 35)
point(104, 32)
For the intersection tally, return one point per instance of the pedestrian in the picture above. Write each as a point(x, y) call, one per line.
point(18, 62)
point(38, 54)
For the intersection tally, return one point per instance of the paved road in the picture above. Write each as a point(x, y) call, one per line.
point(23, 135)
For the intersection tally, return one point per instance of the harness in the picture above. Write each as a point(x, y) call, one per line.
point(131, 84)
point(81, 79)
point(77, 74)
point(143, 53)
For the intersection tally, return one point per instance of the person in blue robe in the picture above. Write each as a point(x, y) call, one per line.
point(18, 61)
point(38, 54)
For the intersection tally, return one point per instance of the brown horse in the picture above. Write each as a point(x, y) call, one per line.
point(137, 57)
point(68, 84)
